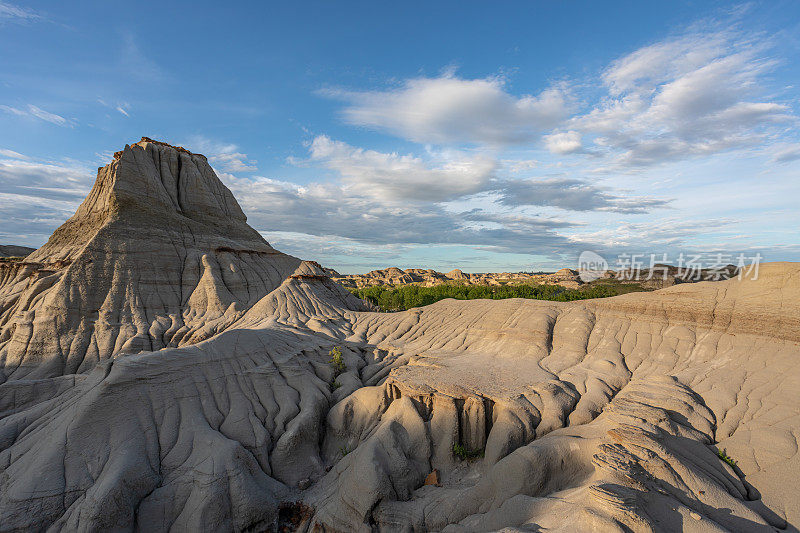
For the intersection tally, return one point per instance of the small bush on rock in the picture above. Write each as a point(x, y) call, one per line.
point(337, 362)
point(464, 454)
point(722, 454)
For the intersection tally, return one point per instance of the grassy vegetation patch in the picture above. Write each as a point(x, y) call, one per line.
point(409, 296)
point(723, 454)
point(464, 454)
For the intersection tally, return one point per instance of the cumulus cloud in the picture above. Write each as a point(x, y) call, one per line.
point(573, 195)
point(330, 210)
point(223, 156)
point(563, 142)
point(449, 109)
point(392, 178)
point(395, 177)
point(697, 94)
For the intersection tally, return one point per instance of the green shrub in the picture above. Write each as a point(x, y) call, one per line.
point(464, 454)
point(335, 385)
point(337, 362)
point(409, 296)
point(722, 454)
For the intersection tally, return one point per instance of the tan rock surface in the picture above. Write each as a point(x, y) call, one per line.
point(165, 369)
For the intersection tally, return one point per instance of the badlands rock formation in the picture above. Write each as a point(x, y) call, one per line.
point(165, 369)
point(645, 278)
point(395, 277)
point(158, 255)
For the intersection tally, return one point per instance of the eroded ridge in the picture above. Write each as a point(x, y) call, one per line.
point(175, 373)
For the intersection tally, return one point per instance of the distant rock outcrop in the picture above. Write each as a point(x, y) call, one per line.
point(395, 277)
point(456, 274)
point(11, 250)
point(658, 277)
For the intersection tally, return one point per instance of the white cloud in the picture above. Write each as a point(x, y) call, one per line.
point(331, 210)
point(354, 255)
point(650, 66)
point(12, 154)
point(699, 94)
point(786, 153)
point(37, 112)
point(121, 107)
point(563, 142)
point(449, 109)
point(10, 12)
point(519, 165)
point(395, 177)
point(46, 115)
point(13, 110)
point(667, 236)
point(573, 195)
point(396, 200)
point(222, 156)
point(38, 196)
point(45, 179)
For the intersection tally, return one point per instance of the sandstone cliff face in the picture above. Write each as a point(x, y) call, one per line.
point(600, 415)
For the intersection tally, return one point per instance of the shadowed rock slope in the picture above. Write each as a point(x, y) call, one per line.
point(602, 415)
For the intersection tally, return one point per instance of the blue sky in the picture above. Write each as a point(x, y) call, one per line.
point(485, 136)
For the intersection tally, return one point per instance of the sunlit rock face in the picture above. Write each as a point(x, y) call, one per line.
point(164, 368)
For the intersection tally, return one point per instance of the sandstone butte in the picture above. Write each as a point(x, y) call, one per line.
point(164, 368)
